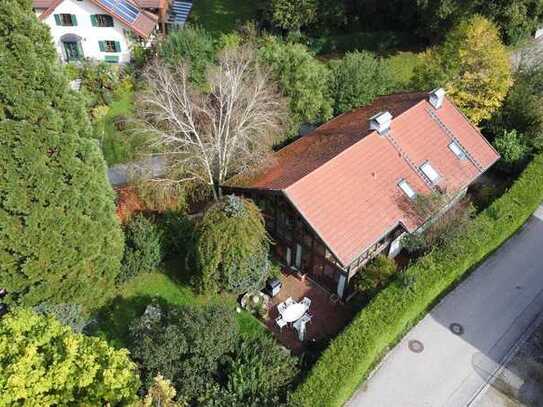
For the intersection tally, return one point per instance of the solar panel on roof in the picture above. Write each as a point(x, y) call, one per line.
point(179, 12)
point(122, 8)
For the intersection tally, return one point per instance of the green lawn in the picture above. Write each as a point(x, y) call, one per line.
point(223, 16)
point(403, 64)
point(115, 317)
point(118, 145)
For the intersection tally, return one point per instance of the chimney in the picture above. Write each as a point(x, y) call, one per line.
point(436, 97)
point(381, 122)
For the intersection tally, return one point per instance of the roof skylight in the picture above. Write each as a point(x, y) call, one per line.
point(430, 172)
point(406, 188)
point(457, 150)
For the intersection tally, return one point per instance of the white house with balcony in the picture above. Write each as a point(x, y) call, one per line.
point(105, 30)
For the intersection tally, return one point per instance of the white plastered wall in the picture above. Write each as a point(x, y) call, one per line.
point(83, 9)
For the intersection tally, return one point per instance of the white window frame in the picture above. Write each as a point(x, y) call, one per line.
point(430, 172)
point(457, 150)
point(407, 189)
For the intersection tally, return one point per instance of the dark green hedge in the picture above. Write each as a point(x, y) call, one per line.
point(381, 42)
point(351, 356)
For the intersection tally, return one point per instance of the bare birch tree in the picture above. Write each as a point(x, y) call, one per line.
point(208, 136)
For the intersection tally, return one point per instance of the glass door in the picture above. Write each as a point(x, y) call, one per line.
point(73, 51)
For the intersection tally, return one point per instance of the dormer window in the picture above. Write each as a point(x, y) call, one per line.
point(457, 150)
point(406, 188)
point(430, 172)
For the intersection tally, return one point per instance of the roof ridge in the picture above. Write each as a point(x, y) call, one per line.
point(348, 148)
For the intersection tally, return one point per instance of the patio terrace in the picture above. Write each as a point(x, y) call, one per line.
point(328, 318)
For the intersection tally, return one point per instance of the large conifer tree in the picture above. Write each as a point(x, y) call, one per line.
point(59, 237)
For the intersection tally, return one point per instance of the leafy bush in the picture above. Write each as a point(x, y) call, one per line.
point(302, 77)
point(439, 229)
point(232, 247)
point(161, 394)
point(71, 315)
point(374, 275)
point(99, 82)
point(184, 344)
point(192, 45)
point(351, 356)
point(259, 372)
point(161, 197)
point(293, 14)
point(177, 232)
point(522, 109)
point(143, 251)
point(357, 79)
point(512, 149)
point(44, 363)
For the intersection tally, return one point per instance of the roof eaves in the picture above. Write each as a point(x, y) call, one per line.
point(122, 20)
point(398, 223)
point(50, 9)
point(476, 129)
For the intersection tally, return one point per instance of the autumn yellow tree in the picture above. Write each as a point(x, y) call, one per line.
point(44, 363)
point(473, 65)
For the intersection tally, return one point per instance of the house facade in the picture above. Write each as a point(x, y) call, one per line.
point(105, 30)
point(341, 195)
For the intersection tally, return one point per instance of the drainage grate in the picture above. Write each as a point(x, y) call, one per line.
point(456, 328)
point(415, 346)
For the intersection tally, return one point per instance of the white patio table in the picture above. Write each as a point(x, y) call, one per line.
point(294, 312)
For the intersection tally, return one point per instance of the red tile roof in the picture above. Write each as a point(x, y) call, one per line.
point(343, 178)
point(143, 25)
point(151, 3)
point(39, 4)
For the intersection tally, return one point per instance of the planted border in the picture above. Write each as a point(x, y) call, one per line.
point(351, 356)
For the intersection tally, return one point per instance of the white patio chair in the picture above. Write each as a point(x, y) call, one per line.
point(305, 319)
point(306, 301)
point(280, 323)
point(281, 307)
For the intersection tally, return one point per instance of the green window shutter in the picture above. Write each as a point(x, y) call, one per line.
point(117, 46)
point(113, 59)
point(74, 19)
point(102, 46)
point(80, 50)
point(57, 19)
point(93, 20)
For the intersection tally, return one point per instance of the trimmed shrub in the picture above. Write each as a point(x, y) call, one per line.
point(374, 275)
point(351, 356)
point(513, 151)
point(143, 251)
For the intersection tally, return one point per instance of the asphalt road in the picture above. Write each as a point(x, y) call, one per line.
point(495, 307)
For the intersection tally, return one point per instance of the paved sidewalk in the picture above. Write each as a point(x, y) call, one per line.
point(494, 307)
